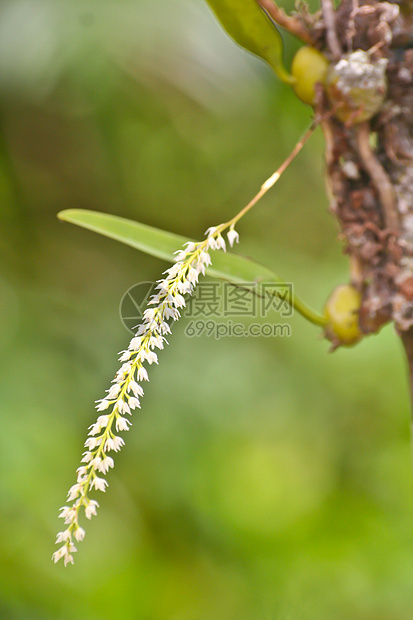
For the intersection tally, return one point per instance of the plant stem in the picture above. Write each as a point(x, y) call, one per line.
point(314, 317)
point(294, 301)
point(271, 181)
point(308, 313)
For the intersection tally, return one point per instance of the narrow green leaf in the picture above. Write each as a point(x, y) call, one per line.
point(249, 26)
point(162, 244)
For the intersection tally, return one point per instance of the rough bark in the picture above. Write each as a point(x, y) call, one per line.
point(369, 164)
point(369, 148)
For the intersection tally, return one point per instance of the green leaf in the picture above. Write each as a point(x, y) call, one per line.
point(163, 245)
point(250, 27)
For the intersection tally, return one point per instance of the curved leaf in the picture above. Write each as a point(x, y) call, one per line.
point(249, 26)
point(163, 245)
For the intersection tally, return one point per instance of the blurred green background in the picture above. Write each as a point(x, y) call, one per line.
point(263, 478)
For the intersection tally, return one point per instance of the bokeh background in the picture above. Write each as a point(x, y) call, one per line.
point(263, 478)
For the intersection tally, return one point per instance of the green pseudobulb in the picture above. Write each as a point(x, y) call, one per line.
point(342, 315)
point(309, 67)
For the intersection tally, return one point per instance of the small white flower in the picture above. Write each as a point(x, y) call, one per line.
point(122, 424)
point(103, 420)
point(150, 356)
point(71, 516)
point(90, 510)
point(73, 492)
point(179, 301)
point(172, 313)
point(118, 443)
point(142, 374)
point(179, 258)
point(60, 553)
point(68, 559)
point(134, 403)
point(81, 474)
point(105, 464)
point(210, 231)
point(64, 511)
point(64, 552)
point(103, 404)
point(220, 243)
point(92, 442)
point(95, 429)
point(156, 341)
point(96, 462)
point(193, 275)
point(185, 288)
point(171, 273)
point(140, 356)
point(233, 237)
point(108, 463)
point(114, 390)
point(149, 314)
point(212, 244)
point(190, 247)
point(163, 285)
point(135, 343)
point(114, 443)
point(205, 258)
point(109, 445)
point(136, 388)
point(126, 355)
point(87, 457)
point(79, 533)
point(68, 514)
point(63, 536)
point(164, 328)
point(122, 406)
point(125, 369)
point(154, 300)
point(100, 484)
